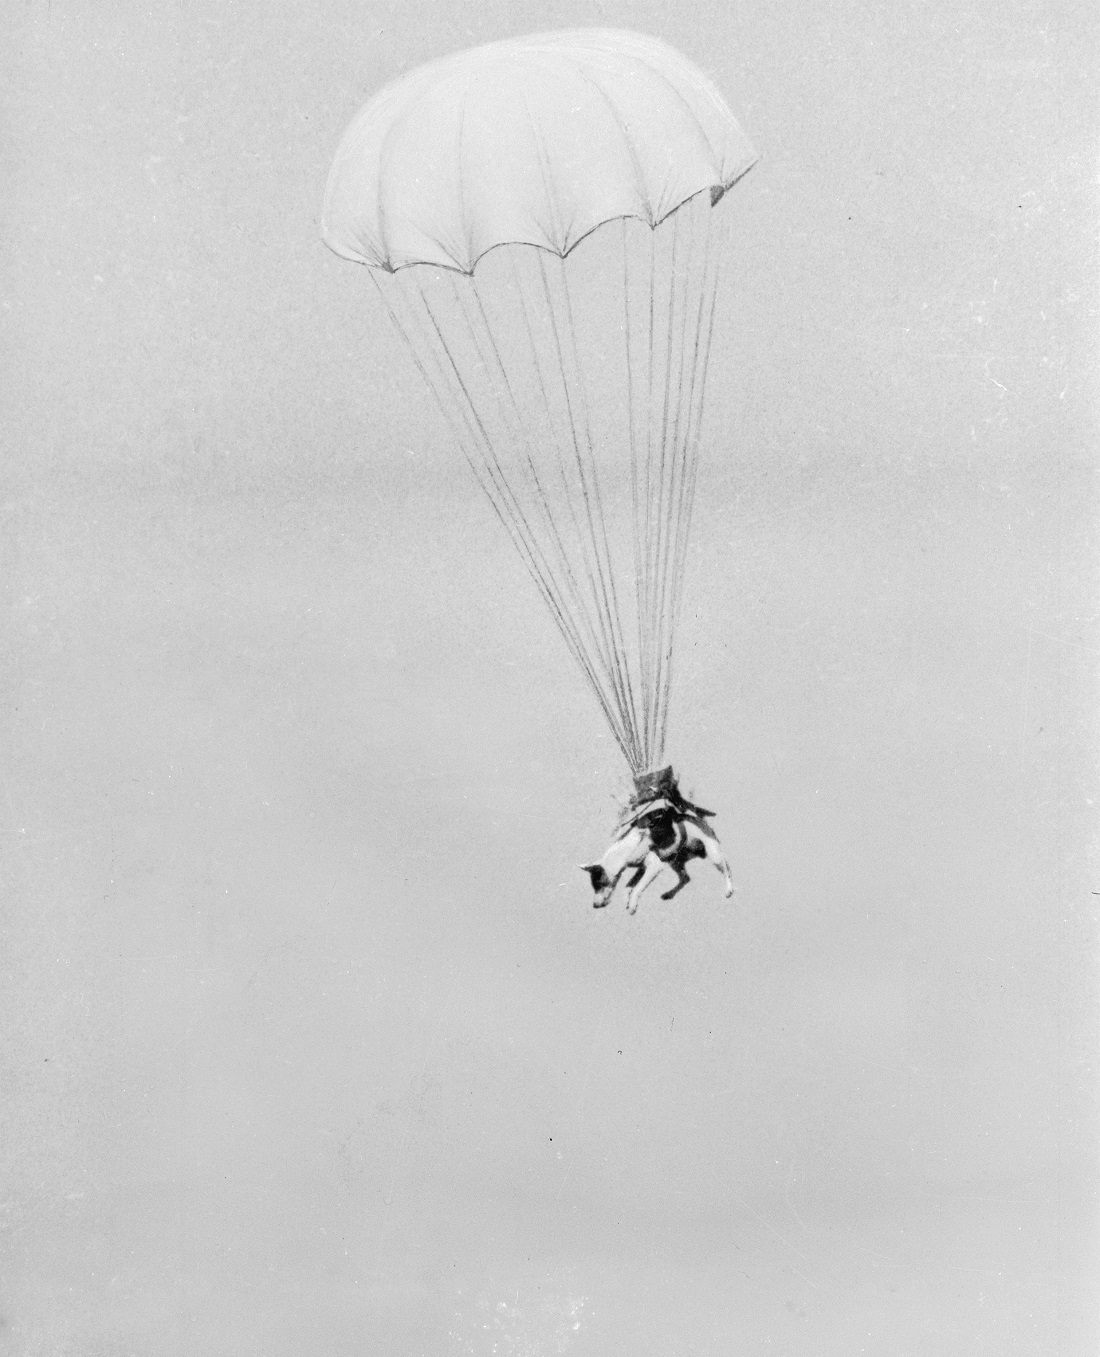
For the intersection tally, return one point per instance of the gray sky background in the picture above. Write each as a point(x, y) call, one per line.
point(311, 1039)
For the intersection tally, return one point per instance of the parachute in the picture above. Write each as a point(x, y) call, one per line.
point(538, 217)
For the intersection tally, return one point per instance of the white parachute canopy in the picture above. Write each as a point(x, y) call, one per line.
point(573, 388)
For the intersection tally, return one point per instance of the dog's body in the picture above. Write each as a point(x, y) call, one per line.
point(660, 837)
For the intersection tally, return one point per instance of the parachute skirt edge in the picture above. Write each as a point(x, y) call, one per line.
point(717, 192)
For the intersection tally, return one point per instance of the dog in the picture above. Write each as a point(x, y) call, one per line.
point(659, 838)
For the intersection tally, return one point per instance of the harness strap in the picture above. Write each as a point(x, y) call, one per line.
point(672, 850)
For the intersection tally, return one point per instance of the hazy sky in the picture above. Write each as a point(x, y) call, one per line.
point(311, 1040)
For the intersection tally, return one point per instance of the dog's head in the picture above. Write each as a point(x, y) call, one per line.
point(601, 883)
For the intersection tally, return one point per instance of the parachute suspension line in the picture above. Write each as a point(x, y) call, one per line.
point(669, 572)
point(647, 643)
point(703, 332)
point(657, 522)
point(561, 431)
point(492, 460)
point(545, 474)
point(566, 584)
point(448, 407)
point(554, 424)
point(595, 567)
point(530, 550)
point(597, 526)
point(601, 592)
point(434, 383)
point(669, 523)
point(709, 298)
point(523, 435)
point(714, 296)
point(644, 584)
point(494, 487)
point(675, 370)
point(622, 664)
point(635, 506)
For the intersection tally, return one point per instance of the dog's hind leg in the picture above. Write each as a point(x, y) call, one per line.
point(715, 855)
point(682, 880)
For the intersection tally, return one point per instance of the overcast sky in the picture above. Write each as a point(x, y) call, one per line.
point(311, 1039)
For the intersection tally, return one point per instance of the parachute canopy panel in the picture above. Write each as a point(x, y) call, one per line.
point(534, 141)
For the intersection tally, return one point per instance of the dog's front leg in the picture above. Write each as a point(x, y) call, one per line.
point(642, 879)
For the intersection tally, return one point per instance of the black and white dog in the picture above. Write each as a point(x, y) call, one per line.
point(661, 837)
